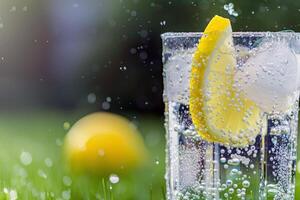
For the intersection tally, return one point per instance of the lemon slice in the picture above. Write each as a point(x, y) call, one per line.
point(219, 110)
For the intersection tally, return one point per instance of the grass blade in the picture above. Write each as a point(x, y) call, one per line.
point(163, 192)
point(104, 188)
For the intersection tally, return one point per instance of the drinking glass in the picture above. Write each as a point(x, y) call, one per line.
point(265, 169)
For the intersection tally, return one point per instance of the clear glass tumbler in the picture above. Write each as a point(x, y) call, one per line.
point(264, 169)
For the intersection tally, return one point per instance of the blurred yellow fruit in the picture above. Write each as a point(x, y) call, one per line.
point(102, 143)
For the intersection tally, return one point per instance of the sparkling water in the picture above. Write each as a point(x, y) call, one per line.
point(265, 170)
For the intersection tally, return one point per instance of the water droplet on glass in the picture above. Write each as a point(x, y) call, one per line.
point(234, 162)
point(246, 183)
point(223, 160)
point(228, 182)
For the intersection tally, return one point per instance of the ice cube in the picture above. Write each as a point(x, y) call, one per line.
point(270, 76)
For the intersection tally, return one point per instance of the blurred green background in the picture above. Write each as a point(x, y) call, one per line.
point(60, 60)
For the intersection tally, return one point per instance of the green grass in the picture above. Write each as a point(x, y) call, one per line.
point(46, 177)
point(41, 135)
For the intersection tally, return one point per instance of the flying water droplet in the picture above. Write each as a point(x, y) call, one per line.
point(113, 178)
point(25, 158)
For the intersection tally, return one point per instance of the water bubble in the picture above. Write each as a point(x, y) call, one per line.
point(66, 125)
point(91, 98)
point(48, 162)
point(246, 183)
point(226, 7)
point(13, 9)
point(5, 190)
point(25, 8)
point(231, 190)
point(25, 158)
point(13, 195)
point(20, 171)
point(235, 14)
point(101, 152)
point(251, 166)
point(230, 9)
point(113, 178)
point(123, 68)
point(133, 51)
point(58, 142)
point(66, 194)
point(226, 166)
point(42, 174)
point(163, 23)
point(106, 105)
point(234, 162)
point(67, 181)
point(223, 160)
point(143, 33)
point(234, 171)
point(133, 13)
point(143, 55)
point(223, 187)
point(229, 182)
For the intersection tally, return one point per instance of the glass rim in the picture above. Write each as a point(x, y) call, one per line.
point(235, 34)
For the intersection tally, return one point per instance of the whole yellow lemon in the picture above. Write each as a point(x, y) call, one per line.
point(102, 143)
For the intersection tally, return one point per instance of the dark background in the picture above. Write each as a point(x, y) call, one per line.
point(106, 54)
